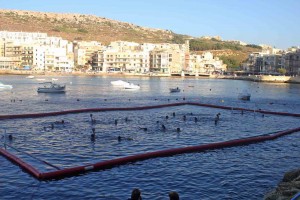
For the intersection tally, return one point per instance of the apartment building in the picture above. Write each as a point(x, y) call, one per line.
point(112, 60)
point(84, 52)
point(206, 63)
point(291, 62)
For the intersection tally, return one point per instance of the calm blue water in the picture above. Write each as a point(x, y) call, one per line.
point(246, 172)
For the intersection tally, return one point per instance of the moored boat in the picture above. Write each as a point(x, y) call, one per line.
point(174, 90)
point(3, 86)
point(30, 77)
point(49, 87)
point(119, 83)
point(244, 96)
point(131, 86)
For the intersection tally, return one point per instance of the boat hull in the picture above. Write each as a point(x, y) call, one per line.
point(47, 90)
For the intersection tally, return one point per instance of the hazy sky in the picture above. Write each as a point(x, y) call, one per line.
point(273, 22)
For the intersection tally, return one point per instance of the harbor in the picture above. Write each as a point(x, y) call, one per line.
point(215, 173)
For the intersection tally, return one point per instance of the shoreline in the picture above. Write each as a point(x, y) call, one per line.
point(254, 78)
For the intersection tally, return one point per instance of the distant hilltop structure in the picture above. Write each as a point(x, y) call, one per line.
point(211, 37)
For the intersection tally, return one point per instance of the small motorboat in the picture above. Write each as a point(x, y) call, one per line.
point(3, 86)
point(119, 83)
point(40, 79)
point(174, 90)
point(244, 96)
point(30, 77)
point(49, 87)
point(131, 86)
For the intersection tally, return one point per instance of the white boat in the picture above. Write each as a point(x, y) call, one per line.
point(119, 83)
point(49, 87)
point(40, 79)
point(174, 90)
point(3, 86)
point(244, 96)
point(131, 86)
point(30, 77)
point(54, 79)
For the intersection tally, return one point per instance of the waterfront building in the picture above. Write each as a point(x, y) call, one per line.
point(24, 37)
point(206, 63)
point(83, 53)
point(10, 53)
point(56, 59)
point(291, 62)
point(9, 63)
point(161, 61)
point(113, 60)
point(268, 61)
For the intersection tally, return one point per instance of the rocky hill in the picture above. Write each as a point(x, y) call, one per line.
point(92, 28)
point(80, 27)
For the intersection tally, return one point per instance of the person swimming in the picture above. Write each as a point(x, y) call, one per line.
point(93, 135)
point(10, 137)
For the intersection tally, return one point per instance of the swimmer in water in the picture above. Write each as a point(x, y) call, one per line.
point(93, 135)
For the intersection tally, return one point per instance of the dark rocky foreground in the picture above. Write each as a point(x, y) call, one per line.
point(287, 188)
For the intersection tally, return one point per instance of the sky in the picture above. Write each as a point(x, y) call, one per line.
point(271, 22)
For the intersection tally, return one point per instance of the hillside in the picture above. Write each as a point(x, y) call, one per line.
point(80, 27)
point(90, 27)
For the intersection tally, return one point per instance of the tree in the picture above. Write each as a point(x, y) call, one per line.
point(281, 70)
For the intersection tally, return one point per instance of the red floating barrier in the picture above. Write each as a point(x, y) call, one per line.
point(134, 158)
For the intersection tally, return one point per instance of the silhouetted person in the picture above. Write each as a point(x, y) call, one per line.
point(116, 122)
point(93, 135)
point(52, 126)
point(173, 196)
point(173, 114)
point(163, 127)
point(217, 118)
point(136, 194)
point(196, 119)
point(178, 130)
point(167, 117)
point(10, 137)
point(184, 117)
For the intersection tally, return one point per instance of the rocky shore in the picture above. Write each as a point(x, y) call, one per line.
point(287, 188)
